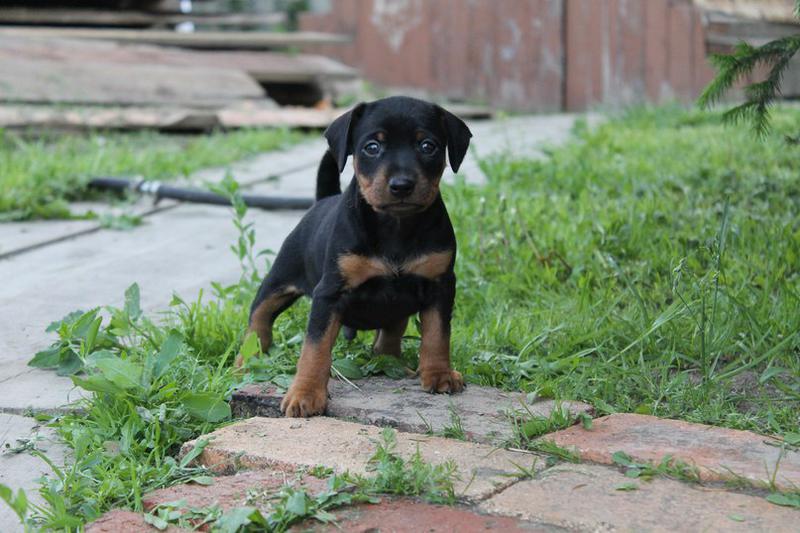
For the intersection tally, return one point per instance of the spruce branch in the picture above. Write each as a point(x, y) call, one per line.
point(759, 96)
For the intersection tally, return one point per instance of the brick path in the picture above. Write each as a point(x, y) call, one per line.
point(260, 453)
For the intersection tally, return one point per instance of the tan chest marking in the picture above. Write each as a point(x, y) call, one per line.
point(357, 269)
point(429, 266)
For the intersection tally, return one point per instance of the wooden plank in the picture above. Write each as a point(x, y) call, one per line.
point(131, 18)
point(656, 51)
point(774, 10)
point(219, 40)
point(48, 81)
point(181, 119)
point(264, 67)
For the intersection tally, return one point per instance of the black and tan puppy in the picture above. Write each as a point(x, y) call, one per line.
point(377, 253)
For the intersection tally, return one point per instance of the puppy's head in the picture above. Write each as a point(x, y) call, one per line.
point(398, 146)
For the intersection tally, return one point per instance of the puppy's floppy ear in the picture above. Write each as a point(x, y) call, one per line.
point(338, 135)
point(458, 136)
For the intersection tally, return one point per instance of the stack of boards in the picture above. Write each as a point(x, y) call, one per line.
point(114, 69)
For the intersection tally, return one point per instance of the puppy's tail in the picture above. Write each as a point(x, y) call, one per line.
point(328, 177)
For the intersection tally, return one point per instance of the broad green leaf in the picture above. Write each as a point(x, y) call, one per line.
point(169, 351)
point(68, 319)
point(391, 366)
point(155, 521)
point(81, 328)
point(46, 358)
point(235, 519)
point(96, 383)
point(207, 406)
point(792, 439)
point(91, 335)
point(633, 473)
point(297, 503)
point(627, 487)
point(132, 305)
point(92, 359)
point(69, 364)
point(121, 372)
point(622, 459)
point(348, 368)
point(784, 499)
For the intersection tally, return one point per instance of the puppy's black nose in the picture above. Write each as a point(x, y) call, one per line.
point(401, 186)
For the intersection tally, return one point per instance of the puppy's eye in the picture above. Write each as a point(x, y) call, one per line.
point(427, 147)
point(372, 148)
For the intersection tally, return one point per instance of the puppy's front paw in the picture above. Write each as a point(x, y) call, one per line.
point(440, 381)
point(304, 401)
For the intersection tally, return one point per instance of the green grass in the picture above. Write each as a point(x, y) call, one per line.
point(39, 177)
point(651, 265)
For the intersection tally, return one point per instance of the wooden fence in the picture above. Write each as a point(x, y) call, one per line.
point(531, 55)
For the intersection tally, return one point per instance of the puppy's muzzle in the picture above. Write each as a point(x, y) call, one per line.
point(401, 186)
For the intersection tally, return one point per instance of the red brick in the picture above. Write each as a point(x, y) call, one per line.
point(231, 491)
point(409, 515)
point(120, 521)
point(718, 453)
point(286, 444)
point(588, 498)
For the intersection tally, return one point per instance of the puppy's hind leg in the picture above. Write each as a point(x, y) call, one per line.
point(272, 299)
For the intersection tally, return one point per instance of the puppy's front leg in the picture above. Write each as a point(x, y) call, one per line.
point(434, 355)
point(308, 394)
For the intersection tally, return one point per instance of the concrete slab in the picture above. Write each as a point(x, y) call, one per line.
point(21, 470)
point(596, 498)
point(483, 412)
point(290, 443)
point(718, 453)
point(178, 251)
point(19, 236)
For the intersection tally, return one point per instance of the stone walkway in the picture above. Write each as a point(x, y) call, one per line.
point(498, 489)
point(50, 268)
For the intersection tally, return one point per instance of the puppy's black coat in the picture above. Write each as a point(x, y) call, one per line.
point(377, 253)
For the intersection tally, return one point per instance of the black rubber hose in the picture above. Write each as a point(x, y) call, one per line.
point(198, 196)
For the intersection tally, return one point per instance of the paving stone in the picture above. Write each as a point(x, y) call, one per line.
point(718, 453)
point(21, 470)
point(232, 491)
point(484, 411)
point(248, 488)
point(121, 521)
point(179, 251)
point(587, 498)
point(290, 443)
point(409, 515)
